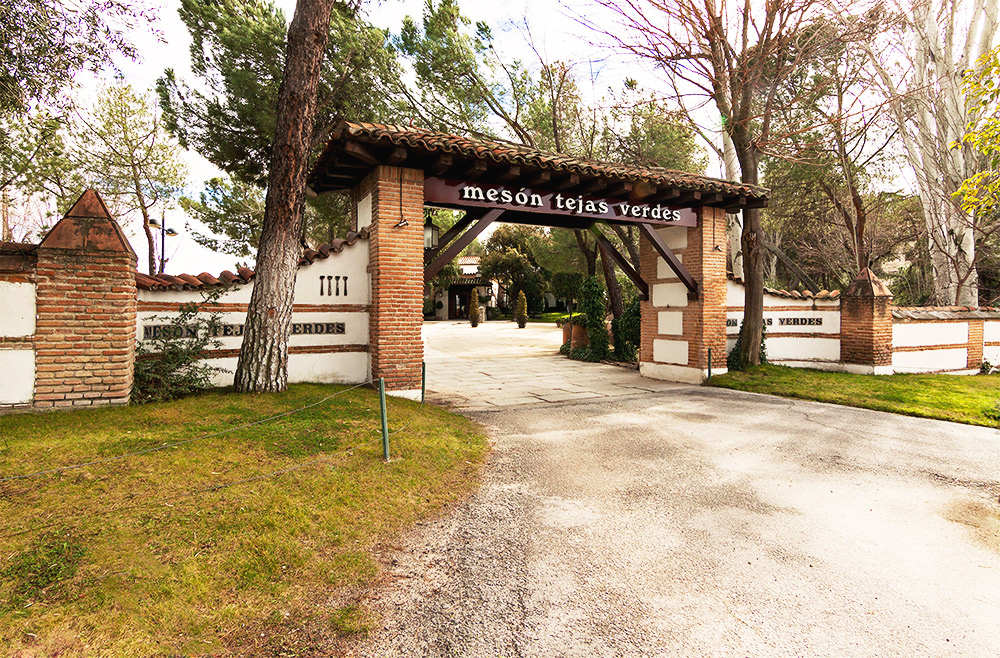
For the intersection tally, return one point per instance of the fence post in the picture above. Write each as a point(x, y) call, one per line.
point(423, 380)
point(385, 422)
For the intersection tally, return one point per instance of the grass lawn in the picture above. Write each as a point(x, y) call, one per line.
point(150, 556)
point(974, 400)
point(554, 316)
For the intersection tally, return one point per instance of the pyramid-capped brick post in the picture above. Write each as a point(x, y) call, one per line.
point(84, 340)
point(866, 325)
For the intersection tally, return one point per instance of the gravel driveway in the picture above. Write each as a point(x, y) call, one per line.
point(626, 517)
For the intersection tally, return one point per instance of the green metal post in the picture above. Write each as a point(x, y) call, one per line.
point(423, 380)
point(710, 363)
point(385, 422)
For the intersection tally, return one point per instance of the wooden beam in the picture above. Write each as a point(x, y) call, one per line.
point(595, 185)
point(688, 198)
point(668, 194)
point(361, 152)
point(621, 262)
point(441, 164)
point(396, 156)
point(712, 198)
point(668, 255)
point(566, 182)
point(642, 191)
point(539, 178)
point(475, 170)
point(455, 249)
point(512, 172)
point(459, 226)
point(737, 205)
point(621, 189)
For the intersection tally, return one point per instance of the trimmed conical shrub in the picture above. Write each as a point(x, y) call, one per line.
point(474, 310)
point(521, 310)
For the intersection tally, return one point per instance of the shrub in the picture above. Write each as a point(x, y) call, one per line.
point(592, 305)
point(169, 366)
point(521, 311)
point(733, 359)
point(627, 331)
point(428, 306)
point(474, 311)
point(565, 347)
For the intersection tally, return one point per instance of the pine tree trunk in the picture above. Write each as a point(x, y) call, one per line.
point(263, 362)
point(614, 289)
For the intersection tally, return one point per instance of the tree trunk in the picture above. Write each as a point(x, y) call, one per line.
point(263, 362)
point(588, 253)
point(614, 290)
point(751, 241)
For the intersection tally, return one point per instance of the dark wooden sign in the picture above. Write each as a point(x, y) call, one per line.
point(456, 193)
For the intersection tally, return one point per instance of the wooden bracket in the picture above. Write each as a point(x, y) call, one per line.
point(621, 262)
point(444, 257)
point(671, 258)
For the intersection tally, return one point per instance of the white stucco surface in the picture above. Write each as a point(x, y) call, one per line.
point(781, 349)
point(930, 360)
point(916, 334)
point(676, 237)
point(670, 322)
point(17, 383)
point(991, 332)
point(365, 212)
point(668, 294)
point(663, 270)
point(17, 309)
point(670, 351)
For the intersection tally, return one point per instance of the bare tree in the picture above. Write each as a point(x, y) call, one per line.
point(920, 73)
point(263, 362)
point(736, 56)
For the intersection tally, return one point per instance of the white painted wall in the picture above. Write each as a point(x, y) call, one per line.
point(17, 309)
point(916, 334)
point(17, 384)
point(320, 284)
point(930, 360)
point(991, 332)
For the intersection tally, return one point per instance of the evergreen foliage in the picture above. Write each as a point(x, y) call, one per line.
point(474, 318)
point(627, 332)
point(521, 311)
point(592, 304)
point(169, 367)
point(733, 361)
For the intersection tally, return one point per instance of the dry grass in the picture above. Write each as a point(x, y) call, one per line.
point(122, 559)
point(982, 519)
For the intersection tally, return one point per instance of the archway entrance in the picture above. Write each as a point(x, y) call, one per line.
point(391, 172)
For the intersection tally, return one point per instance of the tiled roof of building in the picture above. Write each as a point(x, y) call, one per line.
point(468, 260)
point(336, 170)
point(794, 294)
point(945, 313)
point(244, 274)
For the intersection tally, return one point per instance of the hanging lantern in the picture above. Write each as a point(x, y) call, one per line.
point(431, 234)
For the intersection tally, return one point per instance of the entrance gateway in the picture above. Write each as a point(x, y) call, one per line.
point(392, 172)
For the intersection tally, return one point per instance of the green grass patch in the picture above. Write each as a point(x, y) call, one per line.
point(543, 317)
point(974, 400)
point(198, 549)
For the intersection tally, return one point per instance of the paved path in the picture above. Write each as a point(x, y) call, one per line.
point(685, 521)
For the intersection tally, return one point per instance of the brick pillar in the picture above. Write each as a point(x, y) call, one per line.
point(86, 309)
point(677, 331)
point(866, 326)
point(387, 196)
point(975, 358)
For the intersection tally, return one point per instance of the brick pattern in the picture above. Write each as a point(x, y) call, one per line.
point(975, 358)
point(396, 264)
point(85, 331)
point(704, 318)
point(866, 330)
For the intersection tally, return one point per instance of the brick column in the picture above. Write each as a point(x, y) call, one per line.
point(677, 332)
point(394, 194)
point(975, 358)
point(866, 326)
point(86, 309)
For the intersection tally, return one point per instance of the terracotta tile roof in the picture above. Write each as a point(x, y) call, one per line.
point(794, 294)
point(244, 274)
point(945, 313)
point(430, 142)
point(468, 260)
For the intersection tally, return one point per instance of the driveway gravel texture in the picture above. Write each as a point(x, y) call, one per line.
point(629, 517)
